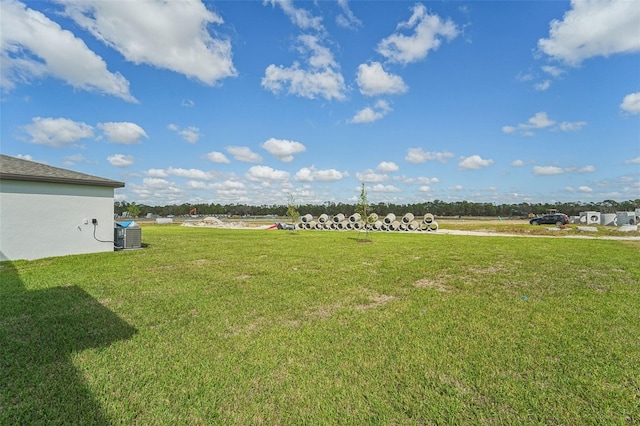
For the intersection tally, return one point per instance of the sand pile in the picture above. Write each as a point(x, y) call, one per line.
point(214, 222)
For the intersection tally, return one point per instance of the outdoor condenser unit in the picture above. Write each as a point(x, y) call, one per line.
point(127, 235)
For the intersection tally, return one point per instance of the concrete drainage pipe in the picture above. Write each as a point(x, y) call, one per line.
point(323, 218)
point(428, 218)
point(355, 218)
point(407, 218)
point(306, 218)
point(388, 219)
point(338, 218)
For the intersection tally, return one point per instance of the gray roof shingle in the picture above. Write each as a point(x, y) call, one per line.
point(12, 168)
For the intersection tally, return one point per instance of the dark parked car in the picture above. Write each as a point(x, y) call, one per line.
point(550, 219)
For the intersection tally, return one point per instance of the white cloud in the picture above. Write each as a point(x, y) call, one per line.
point(371, 114)
point(373, 80)
point(633, 161)
point(57, 132)
point(369, 176)
point(474, 162)
point(593, 28)
point(552, 70)
point(631, 103)
point(418, 155)
point(165, 34)
point(157, 191)
point(33, 46)
point(542, 86)
point(366, 115)
point(195, 174)
point(188, 103)
point(541, 120)
point(123, 132)
point(321, 79)
point(155, 183)
point(228, 185)
point(301, 18)
point(311, 174)
point(283, 149)
point(217, 157)
point(585, 169)
point(243, 153)
point(265, 173)
point(554, 170)
point(157, 173)
point(428, 181)
point(456, 188)
point(383, 188)
point(191, 173)
point(547, 170)
point(347, 19)
point(585, 189)
point(72, 160)
point(566, 126)
point(424, 188)
point(428, 31)
point(387, 167)
point(517, 163)
point(120, 160)
point(190, 134)
point(197, 184)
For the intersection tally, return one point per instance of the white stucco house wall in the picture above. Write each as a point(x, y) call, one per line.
point(48, 211)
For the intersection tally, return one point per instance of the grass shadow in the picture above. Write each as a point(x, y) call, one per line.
point(39, 330)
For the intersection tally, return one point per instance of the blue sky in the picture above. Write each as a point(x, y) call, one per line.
point(250, 101)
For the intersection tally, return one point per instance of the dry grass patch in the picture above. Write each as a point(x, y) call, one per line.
point(376, 301)
point(323, 311)
point(432, 284)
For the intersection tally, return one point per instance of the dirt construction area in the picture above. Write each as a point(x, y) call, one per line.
point(451, 226)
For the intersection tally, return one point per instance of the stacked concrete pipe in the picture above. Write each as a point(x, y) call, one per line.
point(388, 219)
point(407, 218)
point(356, 217)
point(407, 223)
point(430, 223)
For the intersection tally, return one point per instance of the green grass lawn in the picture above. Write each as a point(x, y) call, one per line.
point(214, 326)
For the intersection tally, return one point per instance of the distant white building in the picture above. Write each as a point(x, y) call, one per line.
point(48, 211)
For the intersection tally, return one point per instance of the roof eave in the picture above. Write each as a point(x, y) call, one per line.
point(107, 183)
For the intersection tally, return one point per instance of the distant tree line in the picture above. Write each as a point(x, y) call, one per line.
point(436, 207)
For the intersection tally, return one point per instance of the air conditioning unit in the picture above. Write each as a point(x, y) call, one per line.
point(127, 235)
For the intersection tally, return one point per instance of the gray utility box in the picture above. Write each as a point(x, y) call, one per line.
point(127, 235)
